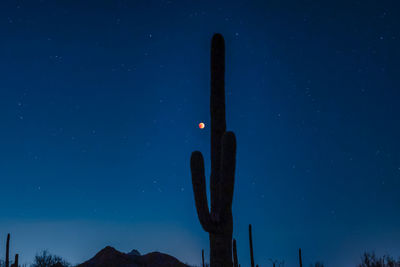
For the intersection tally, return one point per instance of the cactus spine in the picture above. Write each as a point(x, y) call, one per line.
point(217, 221)
point(300, 261)
point(235, 258)
point(251, 247)
point(8, 251)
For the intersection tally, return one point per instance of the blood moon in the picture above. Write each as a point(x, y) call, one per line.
point(202, 125)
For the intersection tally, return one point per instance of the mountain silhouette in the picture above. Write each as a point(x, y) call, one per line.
point(110, 257)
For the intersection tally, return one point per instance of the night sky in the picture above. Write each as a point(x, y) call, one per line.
point(99, 109)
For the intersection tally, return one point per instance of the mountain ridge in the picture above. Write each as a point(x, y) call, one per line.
point(110, 257)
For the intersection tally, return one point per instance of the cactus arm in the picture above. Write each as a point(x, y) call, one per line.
point(228, 163)
point(199, 190)
point(217, 111)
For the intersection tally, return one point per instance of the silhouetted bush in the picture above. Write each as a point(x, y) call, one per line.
point(370, 260)
point(45, 259)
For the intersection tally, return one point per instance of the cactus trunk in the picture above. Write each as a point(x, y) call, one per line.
point(217, 220)
point(8, 251)
point(251, 247)
point(220, 248)
point(16, 260)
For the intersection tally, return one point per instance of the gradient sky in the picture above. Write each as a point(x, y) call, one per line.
point(99, 106)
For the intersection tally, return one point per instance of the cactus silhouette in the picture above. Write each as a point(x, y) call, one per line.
point(235, 258)
point(8, 251)
point(217, 221)
point(202, 257)
point(16, 261)
point(251, 247)
point(300, 261)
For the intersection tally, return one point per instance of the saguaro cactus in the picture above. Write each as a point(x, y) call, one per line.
point(251, 247)
point(16, 260)
point(202, 257)
point(300, 261)
point(8, 251)
point(218, 221)
point(235, 258)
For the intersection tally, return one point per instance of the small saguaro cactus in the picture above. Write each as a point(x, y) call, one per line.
point(251, 247)
point(217, 221)
point(8, 251)
point(16, 261)
point(202, 257)
point(300, 261)
point(235, 257)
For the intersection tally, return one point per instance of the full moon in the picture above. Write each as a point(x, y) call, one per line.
point(202, 125)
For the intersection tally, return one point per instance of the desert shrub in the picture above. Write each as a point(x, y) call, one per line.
point(369, 259)
point(45, 259)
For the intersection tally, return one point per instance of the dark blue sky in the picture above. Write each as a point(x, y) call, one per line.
point(99, 106)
